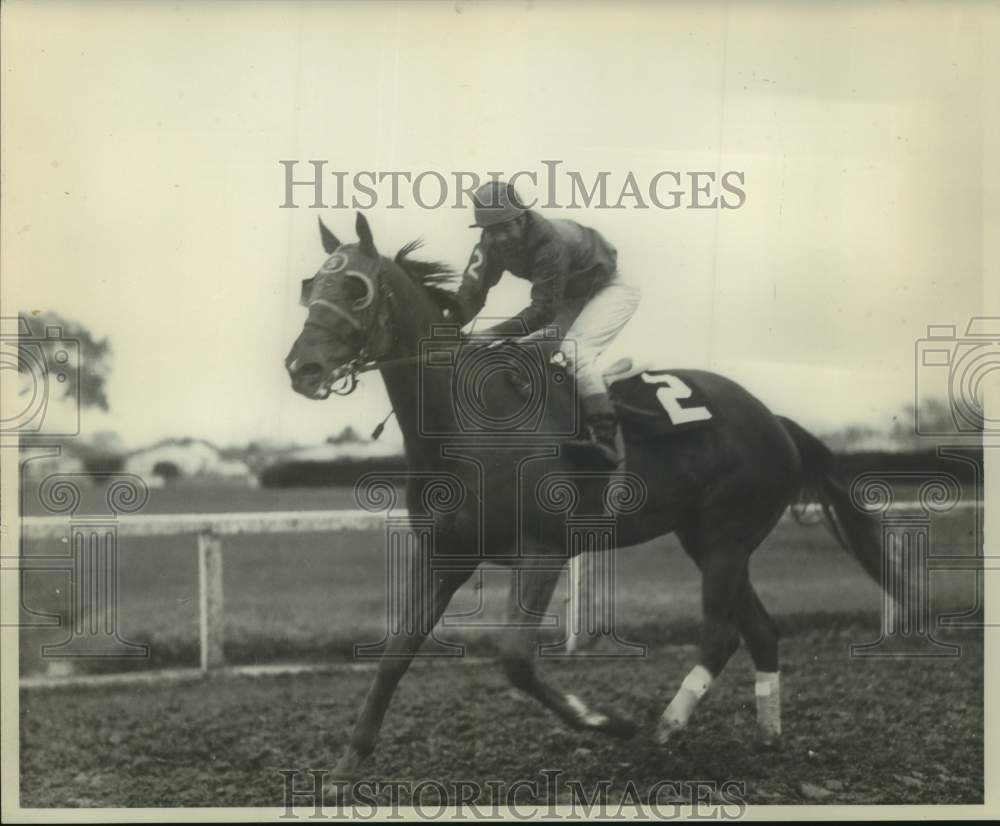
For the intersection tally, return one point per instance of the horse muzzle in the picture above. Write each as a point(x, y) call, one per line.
point(309, 379)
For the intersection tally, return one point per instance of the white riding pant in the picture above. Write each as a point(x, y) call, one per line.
point(601, 319)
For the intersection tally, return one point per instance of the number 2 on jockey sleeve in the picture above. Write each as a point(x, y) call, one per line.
point(475, 268)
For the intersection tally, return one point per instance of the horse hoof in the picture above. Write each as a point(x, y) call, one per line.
point(666, 733)
point(338, 791)
point(767, 742)
point(338, 786)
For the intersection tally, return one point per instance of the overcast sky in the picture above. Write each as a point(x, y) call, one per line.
point(142, 187)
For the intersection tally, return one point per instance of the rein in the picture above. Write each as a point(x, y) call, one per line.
point(358, 366)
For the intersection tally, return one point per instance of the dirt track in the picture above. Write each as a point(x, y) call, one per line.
point(856, 731)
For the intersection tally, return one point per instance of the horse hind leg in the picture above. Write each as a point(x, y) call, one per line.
point(760, 632)
point(530, 593)
point(721, 568)
point(727, 607)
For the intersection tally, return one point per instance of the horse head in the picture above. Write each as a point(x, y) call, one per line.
point(348, 321)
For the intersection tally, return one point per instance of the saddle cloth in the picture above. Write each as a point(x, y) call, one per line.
point(653, 402)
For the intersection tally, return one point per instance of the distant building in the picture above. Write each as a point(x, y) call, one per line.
point(184, 459)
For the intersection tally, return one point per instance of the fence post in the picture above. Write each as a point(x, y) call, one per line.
point(210, 622)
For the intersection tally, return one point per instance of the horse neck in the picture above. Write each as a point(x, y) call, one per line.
point(413, 314)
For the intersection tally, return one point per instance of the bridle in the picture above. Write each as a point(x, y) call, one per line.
point(343, 380)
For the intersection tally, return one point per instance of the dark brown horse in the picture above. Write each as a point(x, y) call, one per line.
point(491, 421)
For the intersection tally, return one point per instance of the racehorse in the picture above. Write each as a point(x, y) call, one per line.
point(494, 433)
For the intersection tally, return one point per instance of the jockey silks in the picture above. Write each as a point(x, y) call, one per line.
point(565, 262)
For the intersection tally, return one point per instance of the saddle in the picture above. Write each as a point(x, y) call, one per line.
point(654, 403)
point(650, 403)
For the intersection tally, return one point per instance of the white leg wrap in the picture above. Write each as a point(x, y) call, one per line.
point(768, 692)
point(685, 700)
point(587, 717)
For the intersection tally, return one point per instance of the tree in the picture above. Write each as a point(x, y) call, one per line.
point(935, 417)
point(347, 436)
point(51, 333)
point(850, 437)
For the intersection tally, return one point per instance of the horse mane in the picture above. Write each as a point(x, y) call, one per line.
point(435, 277)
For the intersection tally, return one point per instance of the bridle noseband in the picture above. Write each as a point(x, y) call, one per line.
point(344, 380)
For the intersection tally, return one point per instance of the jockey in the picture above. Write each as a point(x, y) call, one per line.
point(575, 284)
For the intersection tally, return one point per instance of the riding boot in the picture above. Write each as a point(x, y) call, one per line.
point(604, 446)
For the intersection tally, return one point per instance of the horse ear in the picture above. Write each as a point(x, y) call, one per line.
point(330, 242)
point(365, 235)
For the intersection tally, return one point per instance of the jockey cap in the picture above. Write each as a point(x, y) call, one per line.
point(496, 202)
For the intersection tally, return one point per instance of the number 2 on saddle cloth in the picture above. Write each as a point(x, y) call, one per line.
point(650, 403)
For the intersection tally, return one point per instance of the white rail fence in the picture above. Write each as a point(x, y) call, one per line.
point(99, 540)
point(209, 529)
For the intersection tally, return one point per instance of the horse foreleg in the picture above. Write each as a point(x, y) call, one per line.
point(526, 607)
point(426, 596)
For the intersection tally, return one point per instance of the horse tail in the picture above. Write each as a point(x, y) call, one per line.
point(822, 483)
